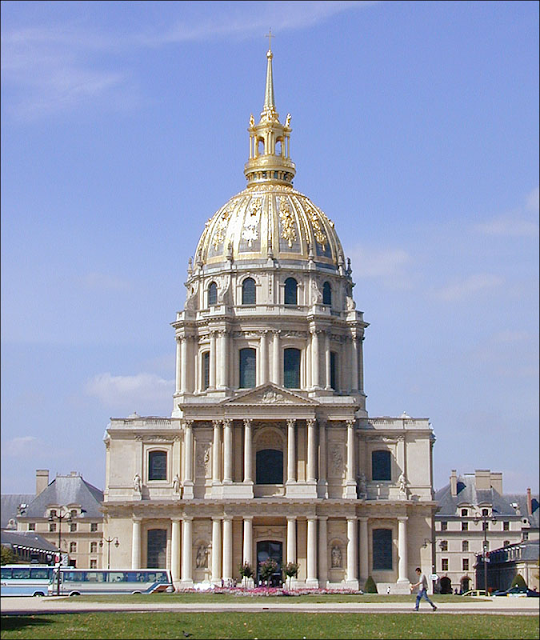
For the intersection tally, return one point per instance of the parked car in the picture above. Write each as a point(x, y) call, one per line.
point(474, 593)
point(516, 592)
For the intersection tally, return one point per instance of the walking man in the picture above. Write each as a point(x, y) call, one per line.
point(422, 585)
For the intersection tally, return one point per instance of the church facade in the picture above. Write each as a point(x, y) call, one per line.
point(269, 450)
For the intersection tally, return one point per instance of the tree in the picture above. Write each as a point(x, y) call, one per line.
point(7, 557)
point(267, 568)
point(370, 586)
point(246, 570)
point(291, 570)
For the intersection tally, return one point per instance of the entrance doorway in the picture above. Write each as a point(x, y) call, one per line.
point(270, 549)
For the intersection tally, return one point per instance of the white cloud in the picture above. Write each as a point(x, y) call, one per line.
point(474, 284)
point(130, 393)
point(391, 267)
point(20, 447)
point(521, 222)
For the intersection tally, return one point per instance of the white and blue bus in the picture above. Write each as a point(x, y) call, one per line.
point(75, 582)
point(25, 579)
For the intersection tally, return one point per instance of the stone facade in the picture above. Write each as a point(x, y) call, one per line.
point(269, 450)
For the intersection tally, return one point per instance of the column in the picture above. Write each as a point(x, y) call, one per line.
point(276, 357)
point(212, 376)
point(184, 366)
point(216, 452)
point(364, 550)
point(136, 543)
point(312, 550)
point(248, 540)
point(354, 364)
point(187, 543)
point(225, 359)
point(175, 550)
point(402, 549)
point(351, 550)
point(227, 452)
point(263, 359)
point(350, 477)
point(179, 365)
point(291, 538)
point(328, 376)
point(291, 451)
point(216, 550)
point(323, 550)
point(227, 548)
point(188, 459)
point(311, 457)
point(315, 380)
point(248, 471)
point(361, 364)
point(323, 484)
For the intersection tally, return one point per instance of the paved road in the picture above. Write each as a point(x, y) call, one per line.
point(37, 606)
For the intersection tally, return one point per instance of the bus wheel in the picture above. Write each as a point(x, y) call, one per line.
point(38, 594)
point(74, 593)
point(134, 593)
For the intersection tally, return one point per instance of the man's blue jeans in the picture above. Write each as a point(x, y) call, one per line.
point(422, 594)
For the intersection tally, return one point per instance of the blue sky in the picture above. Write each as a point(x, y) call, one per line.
point(415, 128)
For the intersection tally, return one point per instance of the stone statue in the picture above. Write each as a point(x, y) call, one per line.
point(402, 483)
point(288, 120)
point(137, 483)
point(176, 484)
point(362, 484)
point(202, 557)
point(336, 557)
point(251, 121)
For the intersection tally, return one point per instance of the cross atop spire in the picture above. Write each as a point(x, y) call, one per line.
point(269, 36)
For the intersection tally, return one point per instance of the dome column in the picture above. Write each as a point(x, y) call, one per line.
point(315, 357)
point(327, 362)
point(264, 358)
point(276, 357)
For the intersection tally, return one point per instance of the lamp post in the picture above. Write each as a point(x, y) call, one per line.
point(484, 519)
point(108, 541)
point(59, 517)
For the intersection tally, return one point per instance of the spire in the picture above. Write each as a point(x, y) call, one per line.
point(269, 143)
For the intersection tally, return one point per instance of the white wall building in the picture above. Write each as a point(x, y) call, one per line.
point(269, 450)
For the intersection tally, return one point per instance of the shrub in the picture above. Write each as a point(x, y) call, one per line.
point(8, 557)
point(519, 581)
point(267, 568)
point(246, 570)
point(370, 586)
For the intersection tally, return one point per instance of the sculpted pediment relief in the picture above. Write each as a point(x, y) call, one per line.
point(269, 394)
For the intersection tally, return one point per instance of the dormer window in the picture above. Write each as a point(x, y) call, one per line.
point(464, 513)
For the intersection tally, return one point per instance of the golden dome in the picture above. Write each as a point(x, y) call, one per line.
point(269, 219)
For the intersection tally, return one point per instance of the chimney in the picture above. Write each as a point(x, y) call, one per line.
point(42, 480)
point(529, 502)
point(496, 482)
point(482, 479)
point(453, 483)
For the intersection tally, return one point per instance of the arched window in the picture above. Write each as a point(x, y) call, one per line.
point(157, 465)
point(333, 370)
point(205, 370)
point(156, 549)
point(269, 464)
point(212, 294)
point(249, 295)
point(248, 368)
point(291, 368)
point(380, 465)
point(291, 291)
point(382, 549)
point(327, 293)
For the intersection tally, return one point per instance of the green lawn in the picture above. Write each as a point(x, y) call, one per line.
point(267, 625)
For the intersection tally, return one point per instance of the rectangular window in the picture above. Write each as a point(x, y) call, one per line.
point(93, 564)
point(506, 526)
point(333, 370)
point(206, 370)
point(464, 526)
point(444, 526)
point(382, 549)
point(291, 368)
point(73, 526)
point(93, 526)
point(31, 526)
point(444, 545)
point(72, 547)
point(52, 526)
point(485, 526)
point(381, 468)
point(93, 547)
point(465, 564)
point(248, 368)
point(444, 564)
point(465, 545)
point(157, 465)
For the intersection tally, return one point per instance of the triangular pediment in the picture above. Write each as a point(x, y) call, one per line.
point(270, 395)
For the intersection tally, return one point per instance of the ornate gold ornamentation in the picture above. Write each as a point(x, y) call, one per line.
point(320, 236)
point(287, 221)
point(251, 223)
point(219, 235)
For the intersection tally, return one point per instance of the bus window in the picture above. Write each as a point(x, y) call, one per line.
point(21, 574)
point(6, 573)
point(162, 577)
point(40, 574)
point(117, 576)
